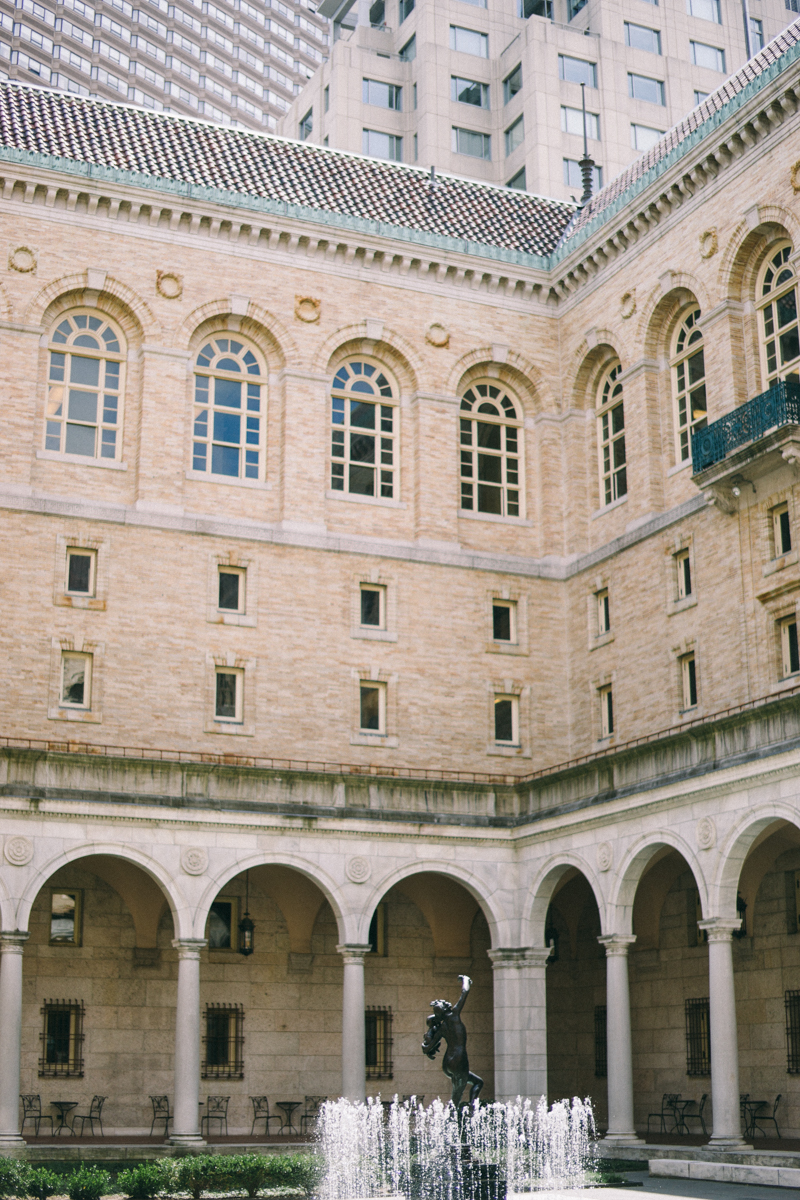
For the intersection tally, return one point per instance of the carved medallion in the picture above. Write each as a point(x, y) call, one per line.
point(307, 309)
point(22, 259)
point(358, 869)
point(169, 285)
point(706, 833)
point(437, 334)
point(605, 856)
point(18, 850)
point(194, 860)
point(627, 304)
point(708, 243)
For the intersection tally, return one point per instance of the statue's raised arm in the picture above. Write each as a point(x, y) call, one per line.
point(445, 1022)
point(466, 984)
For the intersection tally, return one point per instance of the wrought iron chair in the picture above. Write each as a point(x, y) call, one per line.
point(756, 1121)
point(668, 1101)
point(688, 1115)
point(414, 1096)
point(744, 1112)
point(32, 1111)
point(216, 1110)
point(95, 1113)
point(261, 1113)
point(311, 1112)
point(160, 1113)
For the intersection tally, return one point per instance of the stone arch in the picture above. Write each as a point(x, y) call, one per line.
point(743, 255)
point(589, 361)
point(513, 369)
point(391, 347)
point(661, 308)
point(257, 323)
point(542, 889)
point(7, 907)
point(735, 850)
point(496, 918)
point(633, 866)
point(113, 297)
point(345, 920)
point(179, 907)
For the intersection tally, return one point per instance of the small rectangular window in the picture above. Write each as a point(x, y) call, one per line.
point(642, 37)
point(792, 1004)
point(224, 1042)
point(572, 122)
point(512, 84)
point(306, 125)
point(76, 680)
point(688, 681)
point(577, 70)
point(606, 712)
point(223, 922)
point(326, 99)
point(603, 612)
point(683, 574)
point(514, 136)
point(373, 606)
point(381, 145)
point(574, 179)
point(469, 91)
point(756, 35)
point(469, 41)
point(781, 530)
point(642, 87)
point(600, 1042)
point(471, 143)
point(377, 931)
point(789, 649)
point(706, 10)
point(506, 720)
point(372, 706)
point(699, 97)
point(81, 566)
point(517, 182)
point(414, 96)
point(710, 57)
point(231, 589)
point(405, 9)
point(504, 621)
point(644, 137)
point(229, 699)
point(409, 52)
point(61, 1039)
point(796, 928)
point(378, 1042)
point(698, 1038)
point(65, 917)
point(535, 8)
point(382, 95)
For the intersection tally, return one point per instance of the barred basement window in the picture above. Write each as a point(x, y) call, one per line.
point(62, 1039)
point(600, 1043)
point(698, 1037)
point(792, 1002)
point(224, 1042)
point(378, 1030)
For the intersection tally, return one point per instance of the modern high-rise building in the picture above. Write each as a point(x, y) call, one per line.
point(492, 88)
point(239, 62)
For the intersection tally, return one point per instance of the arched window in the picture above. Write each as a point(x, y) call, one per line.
point(611, 437)
point(689, 382)
point(364, 435)
point(85, 386)
point(777, 299)
point(491, 451)
point(228, 410)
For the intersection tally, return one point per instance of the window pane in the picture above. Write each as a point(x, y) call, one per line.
point(226, 694)
point(572, 122)
point(514, 136)
point(641, 87)
point(74, 680)
point(501, 623)
point(370, 708)
point(503, 720)
point(641, 37)
point(576, 70)
point(80, 566)
point(224, 460)
point(469, 91)
point(85, 370)
point(58, 1027)
point(370, 606)
point(706, 10)
point(518, 181)
point(219, 924)
point(469, 41)
point(228, 393)
point(82, 406)
point(229, 590)
point(512, 84)
point(643, 137)
point(63, 906)
point(707, 56)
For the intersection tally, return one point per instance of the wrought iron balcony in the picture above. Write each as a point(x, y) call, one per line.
point(773, 409)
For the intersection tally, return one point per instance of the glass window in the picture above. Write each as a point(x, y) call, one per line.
point(689, 380)
point(683, 574)
point(535, 8)
point(409, 52)
point(76, 680)
point(373, 606)
point(228, 700)
point(611, 437)
point(577, 70)
point(574, 7)
point(372, 707)
point(84, 393)
point(231, 589)
point(62, 1039)
point(641, 37)
point(707, 56)
point(517, 182)
point(65, 918)
point(306, 125)
point(644, 137)
point(603, 611)
point(381, 145)
point(699, 97)
point(364, 434)
point(405, 8)
point(469, 91)
point(756, 35)
point(326, 99)
point(688, 681)
point(778, 326)
point(81, 572)
point(781, 530)
point(222, 923)
point(790, 653)
point(491, 452)
point(512, 84)
point(642, 87)
point(504, 621)
point(469, 41)
point(574, 179)
point(224, 1048)
point(572, 122)
point(706, 10)
point(606, 712)
point(229, 410)
point(382, 95)
point(477, 3)
point(514, 136)
point(468, 141)
point(378, 1042)
point(506, 720)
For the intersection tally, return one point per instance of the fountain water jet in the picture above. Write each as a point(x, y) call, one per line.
point(484, 1152)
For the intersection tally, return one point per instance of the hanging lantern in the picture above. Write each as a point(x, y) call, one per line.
point(246, 926)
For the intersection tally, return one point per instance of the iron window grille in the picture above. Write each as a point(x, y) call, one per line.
point(698, 1037)
point(378, 1030)
point(62, 1039)
point(792, 1002)
point(224, 1042)
point(600, 1042)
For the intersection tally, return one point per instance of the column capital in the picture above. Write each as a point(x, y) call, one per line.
point(720, 929)
point(617, 943)
point(12, 941)
point(189, 947)
point(354, 952)
point(517, 958)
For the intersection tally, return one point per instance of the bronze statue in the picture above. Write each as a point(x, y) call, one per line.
point(445, 1022)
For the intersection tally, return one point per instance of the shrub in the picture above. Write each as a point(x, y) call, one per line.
point(250, 1172)
point(87, 1183)
point(41, 1183)
point(304, 1172)
point(12, 1177)
point(197, 1173)
point(144, 1182)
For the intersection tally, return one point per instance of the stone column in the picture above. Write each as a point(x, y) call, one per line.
point(727, 1124)
point(11, 946)
point(354, 1056)
point(520, 1023)
point(186, 1122)
point(618, 1039)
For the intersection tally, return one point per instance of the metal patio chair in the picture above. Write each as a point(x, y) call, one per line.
point(668, 1101)
point(688, 1115)
point(32, 1111)
point(216, 1110)
point(95, 1113)
point(756, 1121)
point(160, 1113)
point(311, 1112)
point(261, 1113)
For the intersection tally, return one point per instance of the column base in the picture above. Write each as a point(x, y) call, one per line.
point(726, 1143)
point(12, 1139)
point(191, 1140)
point(622, 1139)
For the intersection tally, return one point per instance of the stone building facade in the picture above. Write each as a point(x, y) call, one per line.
point(512, 695)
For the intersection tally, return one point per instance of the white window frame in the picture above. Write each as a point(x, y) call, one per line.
point(572, 123)
point(385, 432)
point(241, 572)
point(603, 609)
point(511, 452)
point(380, 589)
point(379, 686)
point(511, 607)
point(80, 552)
point(779, 527)
point(67, 656)
point(769, 294)
point(611, 395)
point(512, 699)
point(716, 51)
point(63, 348)
point(688, 666)
point(238, 717)
point(215, 349)
point(683, 568)
point(784, 626)
point(605, 695)
point(688, 343)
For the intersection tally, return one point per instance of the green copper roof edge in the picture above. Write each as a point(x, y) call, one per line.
point(570, 244)
point(276, 207)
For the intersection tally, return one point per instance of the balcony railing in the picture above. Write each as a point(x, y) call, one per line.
point(778, 406)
